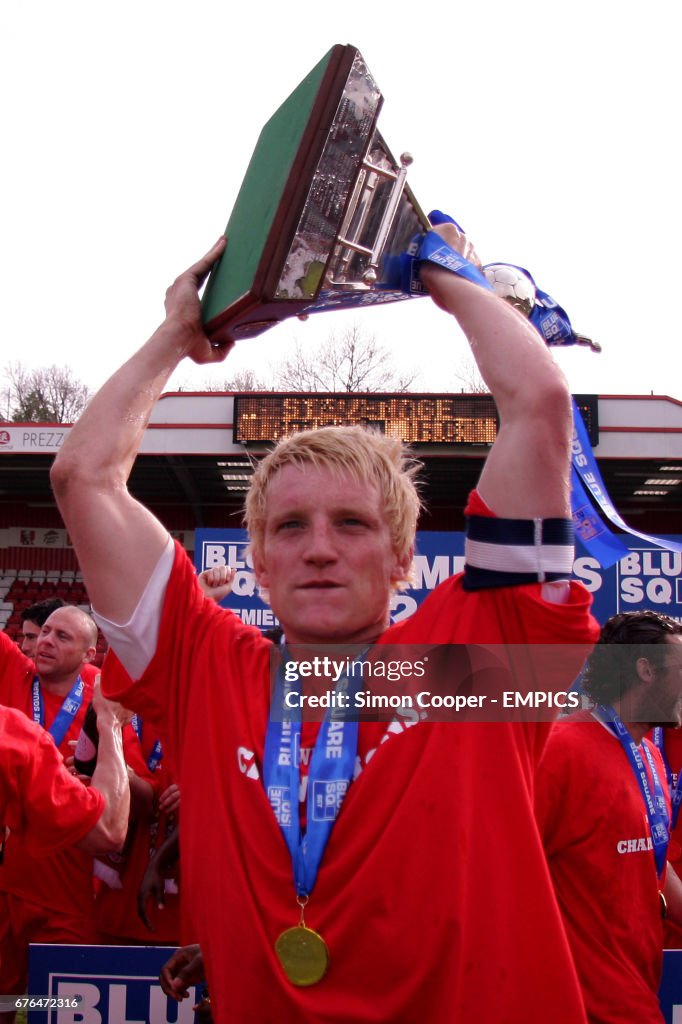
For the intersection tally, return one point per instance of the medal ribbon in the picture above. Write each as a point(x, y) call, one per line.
point(156, 753)
point(586, 469)
point(607, 547)
point(655, 803)
point(674, 780)
point(66, 714)
point(332, 766)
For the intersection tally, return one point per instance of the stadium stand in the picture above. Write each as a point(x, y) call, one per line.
point(20, 588)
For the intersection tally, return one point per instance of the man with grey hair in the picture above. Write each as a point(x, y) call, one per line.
point(47, 811)
point(47, 899)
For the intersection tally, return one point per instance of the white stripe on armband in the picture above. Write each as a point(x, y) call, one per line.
point(540, 560)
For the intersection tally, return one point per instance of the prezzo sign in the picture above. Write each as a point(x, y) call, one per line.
point(30, 439)
point(648, 577)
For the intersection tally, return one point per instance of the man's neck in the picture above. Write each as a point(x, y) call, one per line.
point(363, 638)
point(58, 687)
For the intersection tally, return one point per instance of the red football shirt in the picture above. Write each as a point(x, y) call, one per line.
point(40, 802)
point(598, 844)
point(62, 882)
point(433, 895)
point(673, 752)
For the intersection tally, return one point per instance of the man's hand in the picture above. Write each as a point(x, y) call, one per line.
point(169, 801)
point(70, 765)
point(433, 276)
point(185, 968)
point(108, 711)
point(527, 472)
point(118, 540)
point(152, 887)
point(216, 583)
point(183, 310)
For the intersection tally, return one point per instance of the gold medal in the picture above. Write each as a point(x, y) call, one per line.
point(303, 955)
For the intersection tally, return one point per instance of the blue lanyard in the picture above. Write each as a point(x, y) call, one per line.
point(656, 808)
point(332, 766)
point(156, 753)
point(674, 778)
point(66, 714)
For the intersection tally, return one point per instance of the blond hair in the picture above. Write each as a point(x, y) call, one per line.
point(365, 455)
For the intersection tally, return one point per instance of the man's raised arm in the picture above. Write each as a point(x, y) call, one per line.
point(117, 540)
point(110, 778)
point(526, 474)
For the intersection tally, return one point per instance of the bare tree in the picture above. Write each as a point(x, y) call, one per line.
point(242, 380)
point(46, 394)
point(353, 362)
point(469, 378)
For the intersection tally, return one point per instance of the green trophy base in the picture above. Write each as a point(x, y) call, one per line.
point(322, 210)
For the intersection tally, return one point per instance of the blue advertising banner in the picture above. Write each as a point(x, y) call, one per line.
point(648, 577)
point(108, 984)
point(670, 992)
point(119, 985)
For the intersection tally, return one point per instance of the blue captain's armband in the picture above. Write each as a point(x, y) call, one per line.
point(511, 552)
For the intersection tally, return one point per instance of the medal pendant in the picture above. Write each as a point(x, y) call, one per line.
point(303, 955)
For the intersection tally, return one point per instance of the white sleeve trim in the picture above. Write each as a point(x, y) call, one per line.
point(556, 591)
point(135, 641)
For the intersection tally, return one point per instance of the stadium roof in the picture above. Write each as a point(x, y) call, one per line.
point(199, 448)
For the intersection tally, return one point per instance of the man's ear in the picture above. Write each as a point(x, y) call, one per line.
point(402, 565)
point(262, 577)
point(646, 672)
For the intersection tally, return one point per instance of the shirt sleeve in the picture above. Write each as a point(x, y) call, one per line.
point(195, 636)
point(550, 797)
point(47, 804)
point(135, 641)
point(11, 660)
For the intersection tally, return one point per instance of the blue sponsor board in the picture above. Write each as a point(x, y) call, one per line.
point(670, 992)
point(213, 547)
point(649, 577)
point(111, 984)
point(119, 985)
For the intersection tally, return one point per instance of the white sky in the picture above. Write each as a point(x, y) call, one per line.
point(550, 132)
